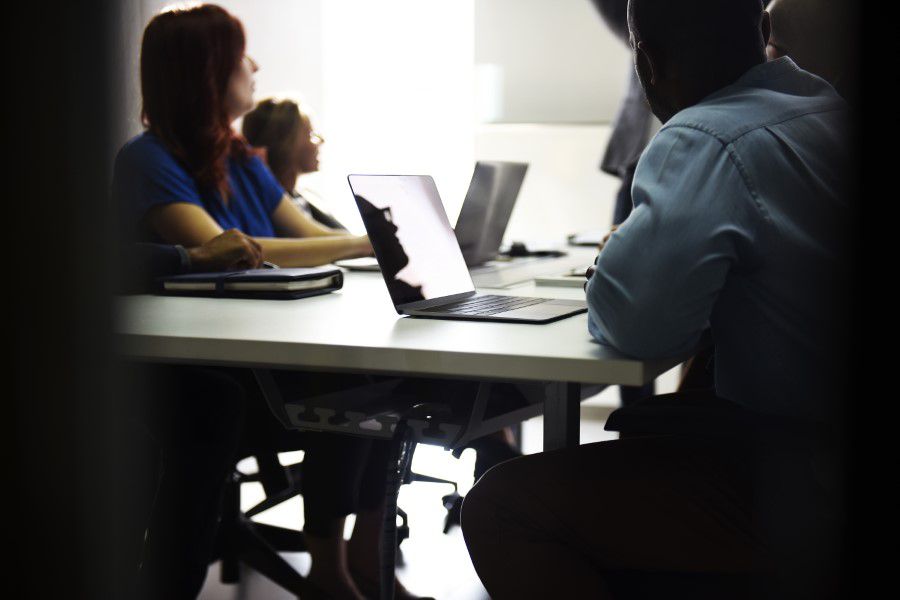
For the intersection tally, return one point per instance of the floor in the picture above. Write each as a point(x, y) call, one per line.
point(435, 564)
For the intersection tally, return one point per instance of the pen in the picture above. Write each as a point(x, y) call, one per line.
point(268, 265)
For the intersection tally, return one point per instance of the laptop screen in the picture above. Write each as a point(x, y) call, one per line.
point(418, 253)
point(488, 206)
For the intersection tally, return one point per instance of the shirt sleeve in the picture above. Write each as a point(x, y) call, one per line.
point(148, 175)
point(145, 262)
point(270, 190)
point(659, 275)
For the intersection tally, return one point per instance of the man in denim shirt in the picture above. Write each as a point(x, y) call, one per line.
point(739, 204)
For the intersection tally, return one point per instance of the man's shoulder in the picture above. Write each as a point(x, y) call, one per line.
point(768, 95)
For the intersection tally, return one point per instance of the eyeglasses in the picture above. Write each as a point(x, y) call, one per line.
point(254, 66)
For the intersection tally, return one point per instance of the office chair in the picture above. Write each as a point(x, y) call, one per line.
point(242, 540)
point(490, 451)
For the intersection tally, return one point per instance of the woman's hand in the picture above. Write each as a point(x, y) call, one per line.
point(364, 246)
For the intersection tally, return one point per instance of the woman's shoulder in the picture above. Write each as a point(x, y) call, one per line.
point(262, 180)
point(146, 151)
point(146, 174)
point(255, 164)
point(144, 145)
point(254, 159)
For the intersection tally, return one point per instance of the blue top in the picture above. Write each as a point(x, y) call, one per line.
point(738, 207)
point(147, 174)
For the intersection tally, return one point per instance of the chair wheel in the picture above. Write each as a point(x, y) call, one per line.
point(453, 504)
point(402, 534)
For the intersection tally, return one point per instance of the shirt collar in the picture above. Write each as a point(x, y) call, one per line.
point(757, 75)
point(767, 71)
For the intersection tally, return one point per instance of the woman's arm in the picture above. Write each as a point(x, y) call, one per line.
point(314, 251)
point(290, 221)
point(189, 225)
point(182, 223)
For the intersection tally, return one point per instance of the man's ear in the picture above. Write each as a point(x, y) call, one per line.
point(646, 67)
point(766, 27)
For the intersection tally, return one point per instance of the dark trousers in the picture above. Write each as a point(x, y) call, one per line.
point(342, 475)
point(561, 524)
point(195, 418)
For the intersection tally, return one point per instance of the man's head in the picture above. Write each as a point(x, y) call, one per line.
point(687, 49)
point(820, 36)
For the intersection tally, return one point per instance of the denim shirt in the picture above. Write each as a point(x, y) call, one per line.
point(739, 201)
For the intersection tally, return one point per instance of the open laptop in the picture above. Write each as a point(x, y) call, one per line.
point(487, 208)
point(421, 260)
point(484, 216)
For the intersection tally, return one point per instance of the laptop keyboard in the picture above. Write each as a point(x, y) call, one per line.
point(485, 305)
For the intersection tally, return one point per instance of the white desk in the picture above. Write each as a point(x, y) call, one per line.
point(357, 330)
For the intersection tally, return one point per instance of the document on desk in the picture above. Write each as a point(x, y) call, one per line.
point(591, 237)
point(575, 281)
point(515, 273)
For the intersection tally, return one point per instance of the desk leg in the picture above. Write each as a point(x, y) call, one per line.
point(402, 450)
point(561, 416)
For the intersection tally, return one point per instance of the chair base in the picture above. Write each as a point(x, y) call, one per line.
point(256, 545)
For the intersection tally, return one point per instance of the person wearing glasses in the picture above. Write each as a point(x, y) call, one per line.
point(183, 181)
point(285, 131)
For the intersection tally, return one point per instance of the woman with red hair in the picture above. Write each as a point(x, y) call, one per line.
point(190, 176)
point(183, 181)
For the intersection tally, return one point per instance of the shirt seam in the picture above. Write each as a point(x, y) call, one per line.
point(797, 115)
point(738, 164)
point(740, 133)
point(731, 151)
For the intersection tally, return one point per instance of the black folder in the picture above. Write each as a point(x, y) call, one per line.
point(274, 284)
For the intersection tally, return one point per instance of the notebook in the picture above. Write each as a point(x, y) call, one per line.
point(277, 284)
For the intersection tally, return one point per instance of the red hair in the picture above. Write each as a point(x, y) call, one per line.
point(187, 59)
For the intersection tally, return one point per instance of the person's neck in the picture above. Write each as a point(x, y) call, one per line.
point(288, 180)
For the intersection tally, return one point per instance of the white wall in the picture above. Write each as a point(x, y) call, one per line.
point(397, 94)
point(564, 192)
point(285, 38)
point(558, 62)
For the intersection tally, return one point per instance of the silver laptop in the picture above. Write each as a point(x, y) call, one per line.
point(421, 261)
point(487, 208)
